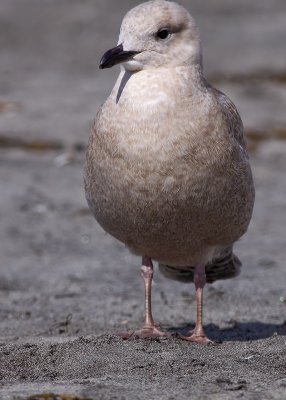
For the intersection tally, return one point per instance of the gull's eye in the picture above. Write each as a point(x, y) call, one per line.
point(163, 33)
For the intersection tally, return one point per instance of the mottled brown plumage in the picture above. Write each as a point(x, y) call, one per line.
point(167, 171)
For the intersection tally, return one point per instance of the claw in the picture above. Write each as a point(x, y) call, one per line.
point(144, 333)
point(198, 339)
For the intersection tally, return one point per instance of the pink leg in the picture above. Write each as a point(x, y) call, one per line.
point(198, 334)
point(149, 330)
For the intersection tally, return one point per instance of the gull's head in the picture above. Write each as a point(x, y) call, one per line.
point(156, 34)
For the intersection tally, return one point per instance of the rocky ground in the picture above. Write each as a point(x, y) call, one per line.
point(66, 286)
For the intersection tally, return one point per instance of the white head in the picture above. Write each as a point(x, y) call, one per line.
point(156, 34)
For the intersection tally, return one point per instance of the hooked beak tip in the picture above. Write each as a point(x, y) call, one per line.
point(115, 56)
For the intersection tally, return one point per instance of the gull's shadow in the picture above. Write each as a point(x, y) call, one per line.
point(238, 331)
point(127, 75)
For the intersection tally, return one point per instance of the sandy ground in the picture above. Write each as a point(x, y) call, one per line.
point(66, 286)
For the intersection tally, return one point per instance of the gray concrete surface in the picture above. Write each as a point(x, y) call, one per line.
point(66, 286)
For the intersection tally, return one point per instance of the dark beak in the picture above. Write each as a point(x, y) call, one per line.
point(116, 56)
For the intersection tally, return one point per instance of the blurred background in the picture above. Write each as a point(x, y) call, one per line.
point(56, 262)
point(50, 51)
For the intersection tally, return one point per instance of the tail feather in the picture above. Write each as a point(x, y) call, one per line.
point(225, 266)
